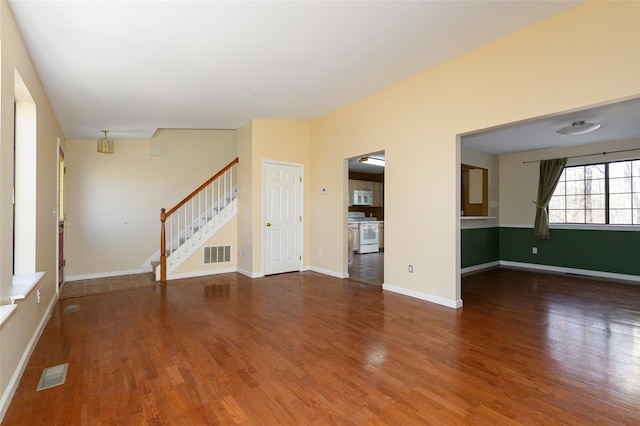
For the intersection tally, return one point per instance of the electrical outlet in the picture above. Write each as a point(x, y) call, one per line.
point(38, 294)
point(241, 253)
point(320, 252)
point(534, 250)
point(411, 269)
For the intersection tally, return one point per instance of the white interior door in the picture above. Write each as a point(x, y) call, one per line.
point(283, 218)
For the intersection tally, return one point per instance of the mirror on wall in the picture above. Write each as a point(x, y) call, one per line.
point(475, 191)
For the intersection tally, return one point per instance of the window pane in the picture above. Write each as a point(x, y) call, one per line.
point(575, 173)
point(595, 216)
point(620, 169)
point(595, 171)
point(636, 200)
point(556, 216)
point(595, 186)
point(620, 185)
point(560, 189)
point(635, 183)
point(556, 203)
point(575, 187)
point(619, 201)
point(595, 201)
point(636, 217)
point(575, 201)
point(575, 216)
point(636, 167)
point(620, 217)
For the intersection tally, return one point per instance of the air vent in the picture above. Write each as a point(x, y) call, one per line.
point(53, 376)
point(217, 254)
point(71, 308)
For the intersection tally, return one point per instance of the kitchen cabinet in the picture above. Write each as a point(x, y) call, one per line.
point(381, 235)
point(376, 188)
point(354, 236)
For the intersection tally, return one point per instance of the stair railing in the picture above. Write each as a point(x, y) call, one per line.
point(195, 211)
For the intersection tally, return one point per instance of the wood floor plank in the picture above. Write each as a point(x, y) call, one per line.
point(303, 348)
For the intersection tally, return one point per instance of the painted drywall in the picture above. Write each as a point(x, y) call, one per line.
point(417, 123)
point(519, 180)
point(114, 200)
point(479, 246)
point(19, 333)
point(245, 199)
point(276, 140)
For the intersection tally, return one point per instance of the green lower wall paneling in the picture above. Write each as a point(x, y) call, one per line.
point(596, 250)
point(479, 246)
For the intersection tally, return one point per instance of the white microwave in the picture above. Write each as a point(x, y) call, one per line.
point(362, 198)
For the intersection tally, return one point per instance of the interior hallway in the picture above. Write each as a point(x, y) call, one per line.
point(304, 348)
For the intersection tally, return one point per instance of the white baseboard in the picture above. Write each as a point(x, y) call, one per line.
point(456, 304)
point(329, 272)
point(250, 274)
point(560, 269)
point(201, 273)
point(104, 275)
point(5, 400)
point(480, 267)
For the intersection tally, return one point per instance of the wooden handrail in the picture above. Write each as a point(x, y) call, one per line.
point(164, 214)
point(201, 187)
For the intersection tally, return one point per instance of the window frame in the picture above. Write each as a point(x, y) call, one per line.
point(607, 211)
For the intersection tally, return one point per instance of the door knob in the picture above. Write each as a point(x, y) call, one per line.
point(268, 224)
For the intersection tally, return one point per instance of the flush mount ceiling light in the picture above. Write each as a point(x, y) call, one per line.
point(372, 161)
point(105, 145)
point(579, 128)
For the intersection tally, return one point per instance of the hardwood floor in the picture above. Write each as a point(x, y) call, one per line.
point(303, 348)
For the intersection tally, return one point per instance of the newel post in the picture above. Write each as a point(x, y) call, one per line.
point(163, 247)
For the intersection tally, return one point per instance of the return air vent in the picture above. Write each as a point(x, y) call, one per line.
point(217, 254)
point(52, 376)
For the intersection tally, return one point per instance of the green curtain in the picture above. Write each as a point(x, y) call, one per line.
point(550, 171)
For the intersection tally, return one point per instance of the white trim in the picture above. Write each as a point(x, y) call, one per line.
point(323, 271)
point(23, 284)
point(250, 274)
point(587, 272)
point(464, 225)
point(449, 303)
point(5, 400)
point(201, 273)
point(105, 275)
point(480, 267)
point(594, 227)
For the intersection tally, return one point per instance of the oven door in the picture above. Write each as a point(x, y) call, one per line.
point(369, 233)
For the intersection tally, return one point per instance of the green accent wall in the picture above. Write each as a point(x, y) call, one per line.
point(606, 251)
point(615, 252)
point(479, 246)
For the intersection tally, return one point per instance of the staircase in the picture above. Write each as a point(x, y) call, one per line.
point(190, 223)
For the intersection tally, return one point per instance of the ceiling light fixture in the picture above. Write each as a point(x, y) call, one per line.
point(372, 161)
point(579, 128)
point(105, 145)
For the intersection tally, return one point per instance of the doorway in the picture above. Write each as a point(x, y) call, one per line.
point(365, 218)
point(61, 190)
point(282, 217)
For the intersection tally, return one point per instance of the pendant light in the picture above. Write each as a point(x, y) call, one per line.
point(105, 145)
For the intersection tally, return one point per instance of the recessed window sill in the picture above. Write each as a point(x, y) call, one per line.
point(6, 311)
point(22, 284)
point(477, 217)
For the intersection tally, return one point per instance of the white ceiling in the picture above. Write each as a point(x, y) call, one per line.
point(135, 66)
point(620, 120)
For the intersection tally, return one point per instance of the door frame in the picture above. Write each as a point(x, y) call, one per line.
point(61, 153)
point(263, 214)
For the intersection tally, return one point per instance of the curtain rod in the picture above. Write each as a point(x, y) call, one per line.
point(589, 155)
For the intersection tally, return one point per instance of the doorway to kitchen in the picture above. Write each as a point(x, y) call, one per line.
point(365, 218)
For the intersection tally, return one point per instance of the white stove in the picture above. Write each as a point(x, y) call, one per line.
point(369, 232)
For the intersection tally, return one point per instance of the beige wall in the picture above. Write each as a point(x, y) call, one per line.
point(277, 140)
point(114, 201)
point(19, 331)
point(546, 68)
point(519, 182)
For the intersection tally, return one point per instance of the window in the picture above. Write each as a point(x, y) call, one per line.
point(604, 193)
